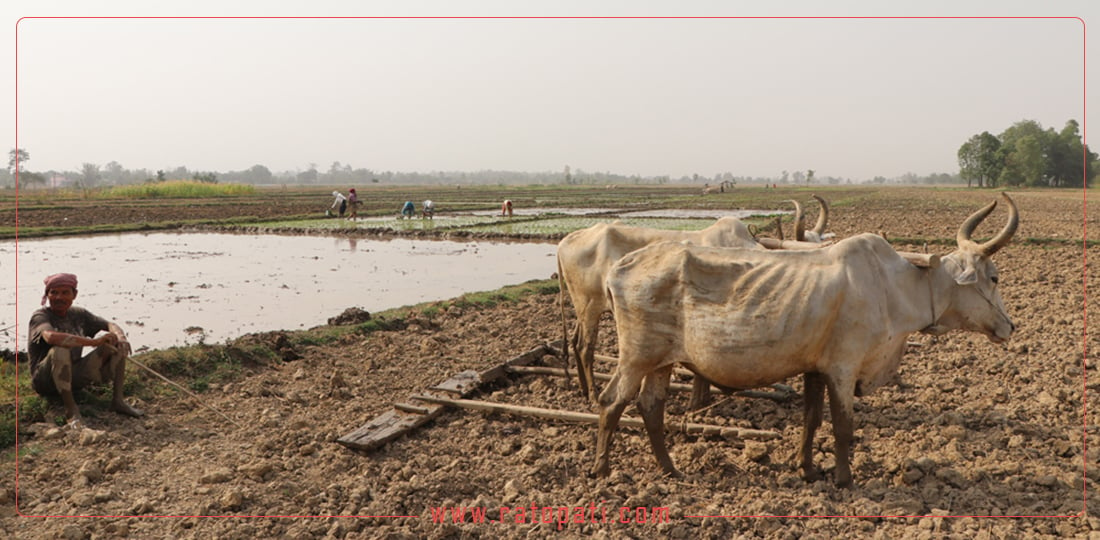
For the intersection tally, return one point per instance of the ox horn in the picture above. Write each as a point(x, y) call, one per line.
point(822, 218)
point(799, 228)
point(962, 238)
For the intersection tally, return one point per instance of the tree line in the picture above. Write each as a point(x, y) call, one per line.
point(1025, 154)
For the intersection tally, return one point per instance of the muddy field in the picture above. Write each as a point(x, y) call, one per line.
point(968, 429)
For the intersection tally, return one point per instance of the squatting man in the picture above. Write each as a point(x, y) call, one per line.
point(58, 335)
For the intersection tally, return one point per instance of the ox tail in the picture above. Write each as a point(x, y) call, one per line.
point(564, 323)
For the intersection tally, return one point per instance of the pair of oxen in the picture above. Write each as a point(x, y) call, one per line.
point(739, 315)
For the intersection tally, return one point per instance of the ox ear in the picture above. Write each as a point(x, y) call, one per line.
point(962, 271)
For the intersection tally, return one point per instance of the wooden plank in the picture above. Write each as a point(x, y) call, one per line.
point(524, 359)
point(404, 418)
point(588, 418)
point(386, 427)
point(460, 384)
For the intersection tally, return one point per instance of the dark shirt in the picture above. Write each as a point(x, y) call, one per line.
point(78, 321)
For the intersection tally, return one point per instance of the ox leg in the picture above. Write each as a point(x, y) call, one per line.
point(840, 406)
point(613, 401)
point(813, 402)
point(651, 404)
point(700, 393)
point(575, 344)
point(586, 353)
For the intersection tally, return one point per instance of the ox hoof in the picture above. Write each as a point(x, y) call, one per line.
point(600, 472)
point(811, 474)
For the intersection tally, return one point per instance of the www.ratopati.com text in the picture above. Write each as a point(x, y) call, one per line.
point(561, 515)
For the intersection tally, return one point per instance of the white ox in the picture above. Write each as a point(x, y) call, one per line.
point(585, 256)
point(817, 234)
point(745, 318)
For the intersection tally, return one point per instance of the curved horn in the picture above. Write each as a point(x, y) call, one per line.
point(799, 228)
point(823, 217)
point(997, 242)
point(962, 238)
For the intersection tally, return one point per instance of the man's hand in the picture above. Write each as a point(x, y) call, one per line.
point(107, 339)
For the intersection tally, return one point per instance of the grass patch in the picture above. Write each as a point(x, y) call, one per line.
point(32, 407)
point(175, 189)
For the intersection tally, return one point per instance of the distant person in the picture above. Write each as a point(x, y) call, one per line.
point(408, 210)
point(57, 337)
point(340, 201)
point(506, 208)
point(353, 202)
point(427, 210)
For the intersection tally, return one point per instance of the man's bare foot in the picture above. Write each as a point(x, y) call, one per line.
point(122, 408)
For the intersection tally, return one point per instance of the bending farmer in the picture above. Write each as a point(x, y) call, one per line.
point(58, 335)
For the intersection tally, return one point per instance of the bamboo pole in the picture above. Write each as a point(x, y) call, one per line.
point(588, 418)
point(182, 389)
point(687, 372)
point(675, 386)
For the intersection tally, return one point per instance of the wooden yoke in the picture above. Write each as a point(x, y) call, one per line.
point(920, 260)
point(772, 243)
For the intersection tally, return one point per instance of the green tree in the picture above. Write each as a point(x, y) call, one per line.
point(308, 176)
point(206, 178)
point(1028, 160)
point(259, 174)
point(1069, 161)
point(114, 173)
point(16, 158)
point(89, 175)
point(1023, 151)
point(27, 178)
point(980, 159)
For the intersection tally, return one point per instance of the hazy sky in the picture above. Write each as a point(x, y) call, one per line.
point(846, 97)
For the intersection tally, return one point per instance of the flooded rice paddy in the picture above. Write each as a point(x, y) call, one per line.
point(169, 289)
point(538, 221)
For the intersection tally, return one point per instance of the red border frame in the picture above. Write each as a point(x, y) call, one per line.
point(1084, 233)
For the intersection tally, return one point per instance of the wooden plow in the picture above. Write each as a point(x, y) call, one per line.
point(455, 391)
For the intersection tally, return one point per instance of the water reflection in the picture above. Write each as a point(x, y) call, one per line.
point(163, 286)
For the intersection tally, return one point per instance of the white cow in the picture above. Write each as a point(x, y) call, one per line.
point(585, 256)
point(743, 318)
point(817, 234)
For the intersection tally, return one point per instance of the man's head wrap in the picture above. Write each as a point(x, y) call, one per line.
point(58, 280)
